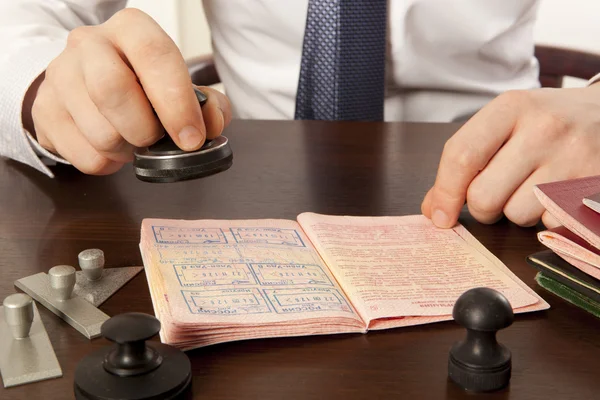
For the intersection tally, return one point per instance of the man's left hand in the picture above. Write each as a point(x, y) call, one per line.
point(518, 140)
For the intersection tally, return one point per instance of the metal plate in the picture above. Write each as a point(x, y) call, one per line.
point(76, 311)
point(30, 359)
point(97, 292)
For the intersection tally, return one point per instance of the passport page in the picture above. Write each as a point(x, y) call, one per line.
point(572, 249)
point(213, 281)
point(401, 271)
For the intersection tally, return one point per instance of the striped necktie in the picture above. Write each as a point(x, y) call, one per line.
point(342, 71)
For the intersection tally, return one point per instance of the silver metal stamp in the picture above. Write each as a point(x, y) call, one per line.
point(96, 283)
point(62, 281)
point(91, 262)
point(55, 292)
point(26, 354)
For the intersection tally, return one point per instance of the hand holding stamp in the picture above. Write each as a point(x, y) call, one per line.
point(164, 162)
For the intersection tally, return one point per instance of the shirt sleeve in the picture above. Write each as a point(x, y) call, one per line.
point(33, 33)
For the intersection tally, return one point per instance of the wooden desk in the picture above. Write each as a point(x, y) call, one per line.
point(281, 169)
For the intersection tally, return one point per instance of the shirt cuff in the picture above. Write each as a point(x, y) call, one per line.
point(594, 79)
point(21, 69)
point(50, 159)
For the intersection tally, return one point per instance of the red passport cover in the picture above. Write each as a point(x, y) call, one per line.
point(564, 200)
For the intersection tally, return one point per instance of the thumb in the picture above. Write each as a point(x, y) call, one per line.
point(162, 73)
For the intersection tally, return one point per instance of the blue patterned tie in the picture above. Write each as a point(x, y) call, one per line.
point(343, 61)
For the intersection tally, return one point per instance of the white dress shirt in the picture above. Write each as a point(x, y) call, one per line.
point(445, 58)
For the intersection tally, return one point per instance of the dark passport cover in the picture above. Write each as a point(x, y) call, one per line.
point(551, 266)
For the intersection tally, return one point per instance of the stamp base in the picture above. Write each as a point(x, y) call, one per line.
point(112, 279)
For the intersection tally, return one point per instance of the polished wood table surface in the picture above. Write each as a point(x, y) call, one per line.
point(280, 170)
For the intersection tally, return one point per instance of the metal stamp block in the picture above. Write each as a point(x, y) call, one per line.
point(98, 291)
point(55, 292)
point(26, 354)
point(95, 283)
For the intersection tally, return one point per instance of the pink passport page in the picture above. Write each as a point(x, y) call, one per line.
point(214, 281)
point(572, 249)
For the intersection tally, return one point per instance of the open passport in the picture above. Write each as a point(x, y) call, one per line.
point(214, 281)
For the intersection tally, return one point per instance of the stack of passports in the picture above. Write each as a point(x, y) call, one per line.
point(564, 280)
point(570, 267)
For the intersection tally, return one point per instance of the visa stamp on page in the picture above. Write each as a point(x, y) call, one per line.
point(264, 253)
point(190, 275)
point(274, 236)
point(290, 274)
point(197, 255)
point(287, 301)
point(181, 235)
point(226, 301)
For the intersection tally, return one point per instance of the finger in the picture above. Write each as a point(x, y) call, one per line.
point(523, 208)
point(467, 153)
point(502, 176)
point(73, 147)
point(163, 75)
point(549, 221)
point(59, 129)
point(426, 204)
point(216, 112)
point(98, 131)
point(113, 89)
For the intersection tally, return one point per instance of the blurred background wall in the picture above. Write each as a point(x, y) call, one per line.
point(572, 24)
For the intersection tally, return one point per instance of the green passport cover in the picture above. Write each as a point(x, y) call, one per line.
point(572, 296)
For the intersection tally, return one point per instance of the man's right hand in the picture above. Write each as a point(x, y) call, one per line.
point(95, 103)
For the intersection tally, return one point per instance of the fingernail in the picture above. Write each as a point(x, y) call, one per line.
point(190, 138)
point(440, 219)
